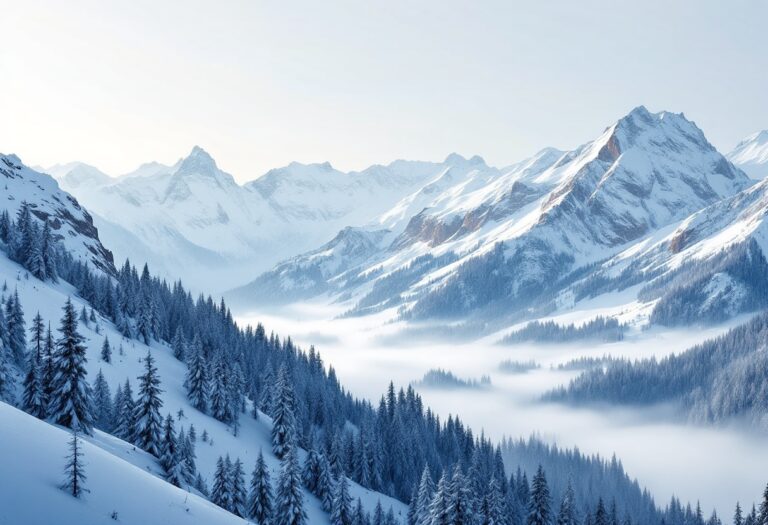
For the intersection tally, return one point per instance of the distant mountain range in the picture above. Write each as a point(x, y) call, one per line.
point(458, 238)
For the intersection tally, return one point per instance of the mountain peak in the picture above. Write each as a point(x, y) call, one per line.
point(198, 161)
point(456, 158)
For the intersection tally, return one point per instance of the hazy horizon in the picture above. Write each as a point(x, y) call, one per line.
point(260, 85)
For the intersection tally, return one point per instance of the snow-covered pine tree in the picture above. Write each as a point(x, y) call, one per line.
point(283, 420)
point(125, 415)
point(188, 456)
point(424, 496)
point(311, 472)
point(14, 319)
point(220, 492)
point(106, 351)
point(325, 484)
point(35, 261)
point(567, 513)
point(74, 471)
point(239, 495)
point(462, 499)
point(33, 400)
point(71, 404)
point(102, 404)
point(601, 515)
point(148, 419)
point(49, 372)
point(220, 394)
point(48, 249)
point(738, 518)
point(539, 512)
point(494, 511)
point(37, 336)
point(179, 345)
point(359, 516)
point(197, 378)
point(170, 455)
point(762, 517)
point(441, 507)
point(289, 504)
point(378, 514)
point(260, 495)
point(341, 509)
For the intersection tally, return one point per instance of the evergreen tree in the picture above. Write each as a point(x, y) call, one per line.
point(47, 247)
point(14, 318)
point(239, 496)
point(493, 512)
point(260, 496)
point(74, 482)
point(283, 421)
point(567, 512)
point(37, 337)
point(378, 514)
point(6, 373)
point(601, 515)
point(71, 404)
point(102, 403)
point(49, 372)
point(311, 473)
point(170, 454)
point(441, 507)
point(325, 484)
point(106, 351)
point(220, 492)
point(424, 496)
point(33, 401)
point(220, 400)
point(341, 510)
point(762, 517)
point(197, 378)
point(359, 517)
point(461, 498)
point(539, 506)
point(125, 415)
point(737, 516)
point(148, 419)
point(289, 504)
point(179, 345)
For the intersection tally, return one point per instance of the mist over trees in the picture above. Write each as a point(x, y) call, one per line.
point(718, 380)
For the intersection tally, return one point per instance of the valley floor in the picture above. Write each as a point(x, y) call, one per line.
point(665, 455)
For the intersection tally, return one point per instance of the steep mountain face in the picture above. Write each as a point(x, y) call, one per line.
point(751, 155)
point(70, 223)
point(481, 237)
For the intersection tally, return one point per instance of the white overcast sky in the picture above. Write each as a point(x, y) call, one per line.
point(260, 84)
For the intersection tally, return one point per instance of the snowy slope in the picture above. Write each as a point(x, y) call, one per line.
point(69, 222)
point(34, 452)
point(751, 155)
point(553, 213)
point(254, 435)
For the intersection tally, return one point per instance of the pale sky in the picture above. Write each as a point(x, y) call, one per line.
point(357, 82)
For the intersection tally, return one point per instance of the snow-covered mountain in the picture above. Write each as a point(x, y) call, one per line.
point(751, 155)
point(192, 220)
point(478, 237)
point(69, 222)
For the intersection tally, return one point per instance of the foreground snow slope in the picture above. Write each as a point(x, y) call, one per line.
point(254, 435)
point(33, 457)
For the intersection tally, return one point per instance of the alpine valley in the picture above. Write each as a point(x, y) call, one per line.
point(421, 343)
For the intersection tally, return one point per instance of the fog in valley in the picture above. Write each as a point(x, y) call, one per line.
point(713, 464)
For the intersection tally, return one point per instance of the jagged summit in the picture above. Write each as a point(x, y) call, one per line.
point(198, 161)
